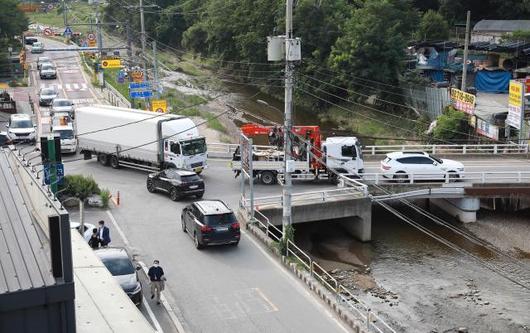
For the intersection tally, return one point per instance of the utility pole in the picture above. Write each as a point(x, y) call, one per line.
point(466, 50)
point(155, 71)
point(100, 48)
point(142, 37)
point(289, 69)
point(129, 40)
point(65, 15)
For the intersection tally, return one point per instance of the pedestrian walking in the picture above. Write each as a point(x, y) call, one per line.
point(103, 234)
point(156, 275)
point(94, 240)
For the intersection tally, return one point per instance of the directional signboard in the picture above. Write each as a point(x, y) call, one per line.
point(111, 63)
point(140, 85)
point(141, 94)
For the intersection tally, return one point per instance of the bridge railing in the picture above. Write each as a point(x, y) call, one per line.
point(312, 196)
point(372, 321)
point(227, 149)
point(464, 149)
point(475, 177)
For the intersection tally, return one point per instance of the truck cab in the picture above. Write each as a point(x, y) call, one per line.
point(343, 154)
point(186, 154)
point(65, 130)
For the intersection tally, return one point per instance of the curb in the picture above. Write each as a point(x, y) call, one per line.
point(329, 299)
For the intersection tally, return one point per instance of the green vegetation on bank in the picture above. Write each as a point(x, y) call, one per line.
point(79, 12)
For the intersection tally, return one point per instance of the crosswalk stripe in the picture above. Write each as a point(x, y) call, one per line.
point(67, 87)
point(84, 86)
point(76, 86)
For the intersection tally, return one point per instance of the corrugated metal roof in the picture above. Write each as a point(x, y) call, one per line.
point(502, 25)
point(24, 263)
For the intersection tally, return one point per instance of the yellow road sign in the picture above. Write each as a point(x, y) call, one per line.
point(159, 105)
point(92, 43)
point(111, 63)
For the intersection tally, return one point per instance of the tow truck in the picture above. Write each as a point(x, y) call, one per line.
point(313, 157)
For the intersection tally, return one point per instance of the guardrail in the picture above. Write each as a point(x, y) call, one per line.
point(418, 193)
point(477, 177)
point(115, 97)
point(227, 149)
point(313, 196)
point(372, 321)
point(464, 149)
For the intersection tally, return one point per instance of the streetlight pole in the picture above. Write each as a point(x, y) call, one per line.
point(289, 69)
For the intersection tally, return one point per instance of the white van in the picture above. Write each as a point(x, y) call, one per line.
point(66, 132)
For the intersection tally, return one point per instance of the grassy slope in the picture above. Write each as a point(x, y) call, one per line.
point(80, 12)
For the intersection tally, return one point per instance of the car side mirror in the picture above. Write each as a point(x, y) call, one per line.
point(138, 267)
point(435, 163)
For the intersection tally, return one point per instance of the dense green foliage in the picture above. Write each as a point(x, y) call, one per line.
point(80, 186)
point(451, 126)
point(432, 26)
point(12, 23)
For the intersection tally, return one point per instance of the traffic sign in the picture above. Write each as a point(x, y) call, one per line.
point(50, 6)
point(141, 94)
point(137, 76)
point(159, 105)
point(140, 85)
point(85, 44)
point(92, 43)
point(111, 63)
point(91, 36)
point(59, 167)
point(68, 31)
point(48, 32)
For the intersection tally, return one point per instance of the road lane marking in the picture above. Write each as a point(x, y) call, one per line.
point(84, 86)
point(158, 328)
point(297, 283)
point(163, 299)
point(76, 86)
point(273, 307)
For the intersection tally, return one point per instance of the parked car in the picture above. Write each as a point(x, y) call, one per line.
point(42, 60)
point(47, 71)
point(4, 139)
point(210, 222)
point(89, 227)
point(178, 183)
point(120, 265)
point(62, 105)
point(47, 95)
point(20, 128)
point(419, 165)
point(30, 40)
point(37, 47)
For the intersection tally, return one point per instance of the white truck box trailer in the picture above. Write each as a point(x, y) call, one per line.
point(139, 139)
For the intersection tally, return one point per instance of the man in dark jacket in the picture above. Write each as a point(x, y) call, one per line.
point(156, 275)
point(103, 234)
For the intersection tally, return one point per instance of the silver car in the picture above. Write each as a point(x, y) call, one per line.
point(37, 47)
point(47, 95)
point(42, 60)
point(47, 71)
point(62, 105)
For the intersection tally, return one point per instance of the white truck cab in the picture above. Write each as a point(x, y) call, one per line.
point(66, 132)
point(343, 154)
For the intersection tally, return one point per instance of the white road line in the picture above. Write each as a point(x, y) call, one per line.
point(76, 86)
point(163, 300)
point(84, 86)
point(303, 289)
point(158, 328)
point(165, 303)
point(67, 87)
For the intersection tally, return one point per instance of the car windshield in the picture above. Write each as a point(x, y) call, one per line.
point(436, 159)
point(193, 147)
point(37, 44)
point(47, 67)
point(119, 266)
point(21, 124)
point(66, 134)
point(62, 103)
point(220, 219)
point(47, 92)
point(190, 178)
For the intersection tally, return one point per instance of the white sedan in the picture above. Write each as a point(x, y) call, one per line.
point(403, 166)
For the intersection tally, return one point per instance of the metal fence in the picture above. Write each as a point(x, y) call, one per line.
point(475, 177)
point(115, 97)
point(226, 150)
point(372, 321)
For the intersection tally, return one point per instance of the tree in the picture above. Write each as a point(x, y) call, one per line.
point(451, 125)
point(519, 35)
point(80, 187)
point(13, 22)
point(432, 26)
point(373, 41)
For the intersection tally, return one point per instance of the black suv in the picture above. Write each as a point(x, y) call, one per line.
point(178, 183)
point(210, 222)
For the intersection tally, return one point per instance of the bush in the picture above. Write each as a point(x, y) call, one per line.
point(289, 235)
point(105, 197)
point(451, 125)
point(80, 186)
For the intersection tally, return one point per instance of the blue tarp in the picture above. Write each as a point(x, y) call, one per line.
point(436, 75)
point(492, 81)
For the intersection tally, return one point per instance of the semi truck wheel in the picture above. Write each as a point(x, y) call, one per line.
point(268, 178)
point(114, 162)
point(103, 159)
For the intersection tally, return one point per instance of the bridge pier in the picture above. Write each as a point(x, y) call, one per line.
point(360, 227)
point(464, 209)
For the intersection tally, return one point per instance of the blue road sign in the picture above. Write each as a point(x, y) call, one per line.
point(141, 94)
point(68, 31)
point(140, 85)
point(60, 173)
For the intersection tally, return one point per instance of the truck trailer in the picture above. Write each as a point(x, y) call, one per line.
point(139, 139)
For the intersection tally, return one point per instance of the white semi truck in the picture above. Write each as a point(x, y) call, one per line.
point(139, 139)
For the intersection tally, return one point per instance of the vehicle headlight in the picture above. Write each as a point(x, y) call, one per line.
point(137, 288)
point(460, 169)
